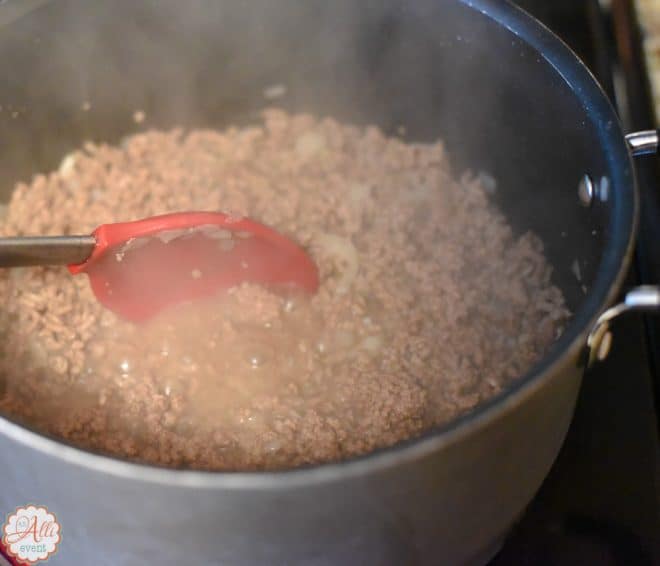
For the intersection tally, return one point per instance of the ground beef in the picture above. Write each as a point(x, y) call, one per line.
point(428, 304)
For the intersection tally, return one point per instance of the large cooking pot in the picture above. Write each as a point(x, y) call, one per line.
point(507, 97)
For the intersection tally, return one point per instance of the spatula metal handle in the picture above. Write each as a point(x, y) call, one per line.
point(45, 250)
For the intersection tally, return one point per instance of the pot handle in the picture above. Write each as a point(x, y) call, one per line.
point(646, 142)
point(645, 298)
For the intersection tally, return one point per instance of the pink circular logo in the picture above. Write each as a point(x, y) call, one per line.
point(31, 534)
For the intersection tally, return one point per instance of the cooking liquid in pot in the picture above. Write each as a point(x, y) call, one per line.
point(428, 303)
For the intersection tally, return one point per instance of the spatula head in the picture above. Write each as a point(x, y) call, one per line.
point(139, 268)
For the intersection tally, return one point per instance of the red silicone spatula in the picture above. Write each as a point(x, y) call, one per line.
point(139, 268)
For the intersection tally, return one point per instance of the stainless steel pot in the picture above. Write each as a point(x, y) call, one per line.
point(507, 96)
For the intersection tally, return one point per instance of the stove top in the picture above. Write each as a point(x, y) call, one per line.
point(600, 505)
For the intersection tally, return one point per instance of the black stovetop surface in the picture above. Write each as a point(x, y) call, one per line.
point(600, 505)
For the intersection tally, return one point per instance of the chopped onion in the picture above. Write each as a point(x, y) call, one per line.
point(309, 144)
point(132, 244)
point(166, 236)
point(343, 250)
point(372, 344)
point(214, 232)
point(67, 165)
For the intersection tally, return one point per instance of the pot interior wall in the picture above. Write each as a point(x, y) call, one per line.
point(438, 68)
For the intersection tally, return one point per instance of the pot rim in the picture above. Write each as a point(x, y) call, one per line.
point(623, 218)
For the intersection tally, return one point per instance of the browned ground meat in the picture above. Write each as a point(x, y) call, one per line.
point(428, 302)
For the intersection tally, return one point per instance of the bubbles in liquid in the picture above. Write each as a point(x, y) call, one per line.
point(259, 354)
point(273, 445)
point(212, 366)
point(253, 419)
